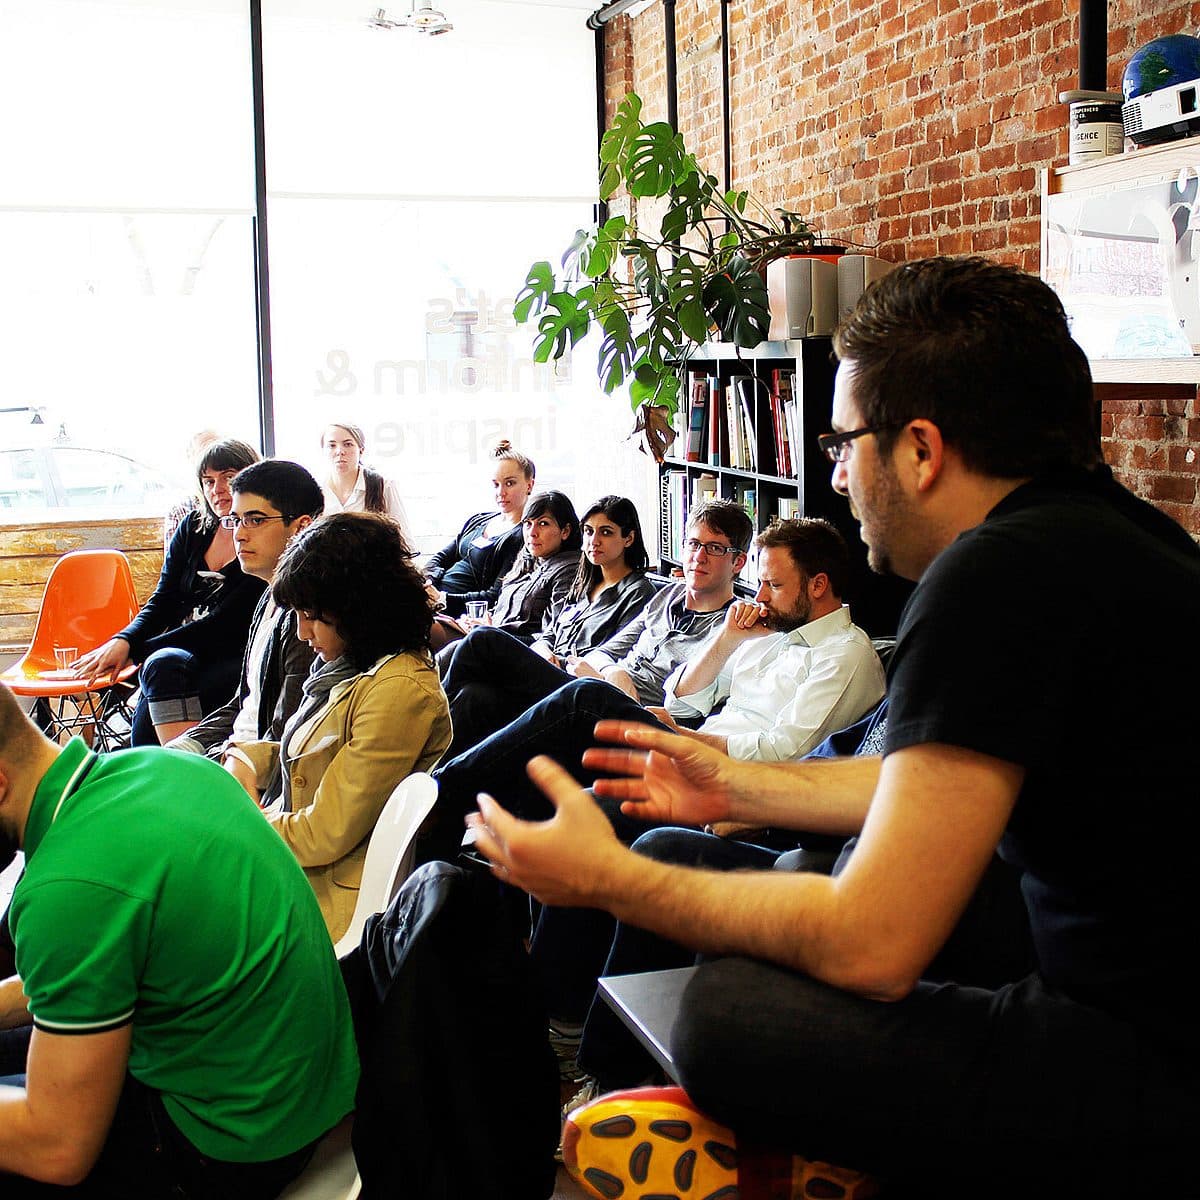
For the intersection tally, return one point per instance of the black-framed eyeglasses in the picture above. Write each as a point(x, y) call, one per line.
point(252, 521)
point(716, 549)
point(836, 446)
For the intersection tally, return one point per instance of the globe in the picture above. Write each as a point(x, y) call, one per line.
point(1161, 63)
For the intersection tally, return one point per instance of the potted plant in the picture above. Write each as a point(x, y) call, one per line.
point(656, 298)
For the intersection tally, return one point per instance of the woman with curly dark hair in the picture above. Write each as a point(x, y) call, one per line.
point(373, 710)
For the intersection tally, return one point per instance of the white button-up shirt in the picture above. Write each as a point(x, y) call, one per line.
point(787, 692)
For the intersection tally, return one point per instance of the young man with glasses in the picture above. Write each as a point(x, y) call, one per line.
point(967, 441)
point(273, 501)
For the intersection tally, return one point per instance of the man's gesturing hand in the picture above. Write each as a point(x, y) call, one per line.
point(679, 780)
point(569, 860)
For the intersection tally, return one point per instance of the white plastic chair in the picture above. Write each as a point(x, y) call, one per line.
point(390, 852)
point(333, 1174)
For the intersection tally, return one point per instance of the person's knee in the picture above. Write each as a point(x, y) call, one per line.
point(673, 845)
point(719, 1021)
point(168, 668)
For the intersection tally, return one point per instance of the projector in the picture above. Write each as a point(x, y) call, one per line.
point(1162, 115)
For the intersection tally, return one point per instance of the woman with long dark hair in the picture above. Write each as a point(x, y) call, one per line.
point(491, 678)
point(373, 710)
point(189, 637)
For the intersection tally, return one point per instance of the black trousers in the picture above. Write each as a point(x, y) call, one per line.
point(146, 1157)
point(954, 1091)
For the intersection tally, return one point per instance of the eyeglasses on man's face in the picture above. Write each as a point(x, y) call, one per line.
point(251, 521)
point(715, 549)
point(836, 446)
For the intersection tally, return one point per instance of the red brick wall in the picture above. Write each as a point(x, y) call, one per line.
point(910, 128)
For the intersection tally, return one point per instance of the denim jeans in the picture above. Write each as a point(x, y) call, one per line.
point(490, 679)
point(177, 685)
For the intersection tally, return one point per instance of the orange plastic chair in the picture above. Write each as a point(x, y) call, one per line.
point(88, 598)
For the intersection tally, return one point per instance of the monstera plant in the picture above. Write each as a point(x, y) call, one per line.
point(657, 295)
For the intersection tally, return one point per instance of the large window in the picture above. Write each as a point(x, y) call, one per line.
point(126, 239)
point(411, 181)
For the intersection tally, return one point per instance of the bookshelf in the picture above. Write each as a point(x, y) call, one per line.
point(780, 394)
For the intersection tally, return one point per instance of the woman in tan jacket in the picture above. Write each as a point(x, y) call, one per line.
point(373, 710)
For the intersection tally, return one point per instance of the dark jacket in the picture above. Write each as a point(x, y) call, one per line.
point(466, 570)
point(452, 1040)
point(192, 608)
point(281, 677)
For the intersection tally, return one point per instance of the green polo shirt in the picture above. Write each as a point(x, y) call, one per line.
point(156, 895)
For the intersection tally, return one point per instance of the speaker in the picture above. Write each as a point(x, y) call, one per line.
point(856, 273)
point(803, 297)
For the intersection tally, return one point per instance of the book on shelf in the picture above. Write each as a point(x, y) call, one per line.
point(714, 421)
point(697, 416)
point(788, 508)
point(664, 515)
point(739, 407)
point(704, 488)
point(781, 397)
point(749, 433)
point(679, 511)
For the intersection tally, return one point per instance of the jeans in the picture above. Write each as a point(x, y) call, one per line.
point(561, 725)
point(146, 1157)
point(491, 678)
point(177, 685)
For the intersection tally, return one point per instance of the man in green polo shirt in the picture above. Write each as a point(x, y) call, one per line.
point(191, 1033)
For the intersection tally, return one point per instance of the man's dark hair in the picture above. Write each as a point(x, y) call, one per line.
point(727, 517)
point(287, 485)
point(354, 570)
point(984, 352)
point(815, 546)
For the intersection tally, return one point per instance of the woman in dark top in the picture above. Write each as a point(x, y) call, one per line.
point(191, 634)
point(491, 678)
point(473, 566)
point(539, 581)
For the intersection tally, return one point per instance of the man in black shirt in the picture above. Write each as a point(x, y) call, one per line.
point(1034, 708)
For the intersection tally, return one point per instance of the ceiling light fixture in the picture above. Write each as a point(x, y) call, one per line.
point(423, 17)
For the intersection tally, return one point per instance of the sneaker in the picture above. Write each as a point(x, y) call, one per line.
point(586, 1094)
point(655, 1142)
point(564, 1041)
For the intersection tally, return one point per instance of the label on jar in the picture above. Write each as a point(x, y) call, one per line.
point(1096, 130)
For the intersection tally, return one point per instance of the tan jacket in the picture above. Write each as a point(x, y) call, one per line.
point(344, 761)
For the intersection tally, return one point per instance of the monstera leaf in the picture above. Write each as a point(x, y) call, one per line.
point(656, 161)
point(617, 350)
point(737, 300)
point(531, 299)
point(567, 321)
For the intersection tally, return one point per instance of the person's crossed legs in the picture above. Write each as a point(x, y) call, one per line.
point(561, 725)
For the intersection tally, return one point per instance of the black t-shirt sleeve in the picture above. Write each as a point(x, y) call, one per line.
point(984, 656)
